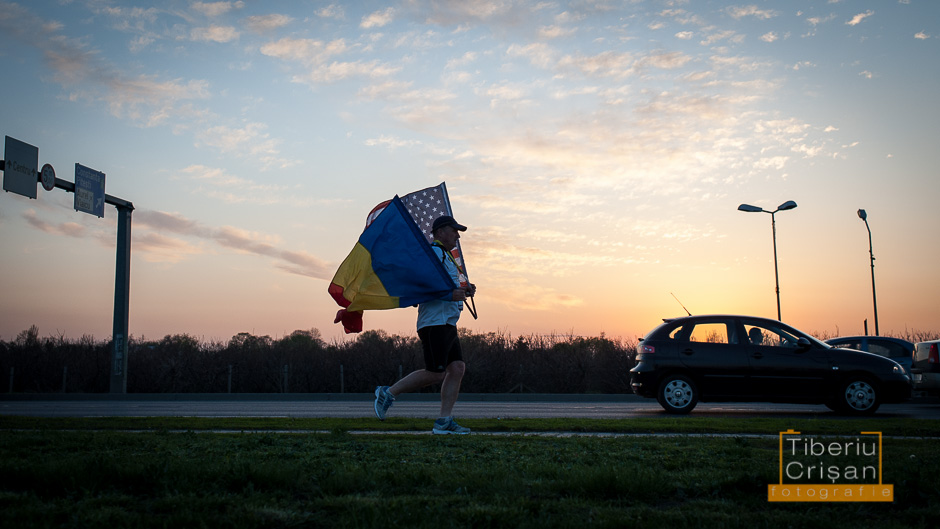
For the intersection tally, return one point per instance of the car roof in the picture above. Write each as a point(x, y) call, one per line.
point(717, 316)
point(898, 341)
point(697, 317)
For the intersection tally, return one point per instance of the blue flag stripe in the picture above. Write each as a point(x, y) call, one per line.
point(402, 259)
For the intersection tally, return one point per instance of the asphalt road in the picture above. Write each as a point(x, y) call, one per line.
point(422, 405)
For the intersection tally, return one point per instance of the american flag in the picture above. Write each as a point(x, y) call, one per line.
point(425, 206)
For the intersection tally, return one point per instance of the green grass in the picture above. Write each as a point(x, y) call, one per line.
point(680, 424)
point(183, 473)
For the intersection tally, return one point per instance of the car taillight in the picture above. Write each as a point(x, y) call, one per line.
point(649, 349)
point(934, 356)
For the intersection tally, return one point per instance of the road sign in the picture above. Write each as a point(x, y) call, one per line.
point(89, 190)
point(21, 167)
point(47, 175)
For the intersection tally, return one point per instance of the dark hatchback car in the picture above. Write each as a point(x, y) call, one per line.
point(743, 358)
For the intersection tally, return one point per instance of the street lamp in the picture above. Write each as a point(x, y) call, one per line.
point(864, 216)
point(789, 204)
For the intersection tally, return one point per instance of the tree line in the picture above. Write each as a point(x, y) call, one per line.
point(303, 362)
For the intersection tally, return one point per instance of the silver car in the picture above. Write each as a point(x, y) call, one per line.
point(926, 367)
point(901, 351)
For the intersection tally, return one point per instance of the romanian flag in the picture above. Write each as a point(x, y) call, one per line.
point(391, 266)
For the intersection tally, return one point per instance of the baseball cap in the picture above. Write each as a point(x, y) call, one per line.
point(447, 220)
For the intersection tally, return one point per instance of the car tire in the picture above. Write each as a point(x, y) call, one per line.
point(677, 394)
point(858, 396)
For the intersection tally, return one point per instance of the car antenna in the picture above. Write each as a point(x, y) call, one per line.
point(680, 304)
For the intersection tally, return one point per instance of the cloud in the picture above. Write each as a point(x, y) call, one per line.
point(157, 248)
point(214, 9)
point(70, 229)
point(719, 36)
point(391, 143)
point(214, 34)
point(815, 21)
point(920, 35)
point(267, 23)
point(539, 54)
point(506, 92)
point(304, 51)
point(334, 11)
point(554, 32)
point(604, 64)
point(464, 60)
point(664, 60)
point(149, 101)
point(521, 294)
point(249, 141)
point(774, 162)
point(461, 12)
point(770, 36)
point(378, 19)
point(144, 99)
point(318, 59)
point(299, 263)
point(738, 12)
point(218, 184)
point(857, 19)
point(137, 21)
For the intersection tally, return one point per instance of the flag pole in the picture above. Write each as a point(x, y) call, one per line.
point(472, 307)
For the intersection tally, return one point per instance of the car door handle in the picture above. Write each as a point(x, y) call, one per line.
point(757, 355)
point(688, 352)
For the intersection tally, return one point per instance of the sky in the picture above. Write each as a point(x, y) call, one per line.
point(597, 150)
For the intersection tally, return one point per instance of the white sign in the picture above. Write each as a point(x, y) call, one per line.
point(21, 167)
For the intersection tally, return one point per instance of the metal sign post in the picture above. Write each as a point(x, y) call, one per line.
point(122, 297)
point(89, 198)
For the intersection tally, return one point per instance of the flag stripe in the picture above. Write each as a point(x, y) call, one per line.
point(416, 269)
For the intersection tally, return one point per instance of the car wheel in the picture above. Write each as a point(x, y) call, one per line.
point(858, 396)
point(677, 394)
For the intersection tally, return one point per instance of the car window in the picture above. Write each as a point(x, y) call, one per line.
point(712, 333)
point(769, 336)
point(891, 350)
point(679, 334)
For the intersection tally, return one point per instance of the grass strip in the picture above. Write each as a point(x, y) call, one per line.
point(55, 475)
point(890, 426)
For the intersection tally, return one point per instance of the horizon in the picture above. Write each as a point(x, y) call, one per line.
point(911, 335)
point(598, 152)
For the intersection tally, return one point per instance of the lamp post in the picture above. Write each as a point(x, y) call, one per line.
point(789, 204)
point(864, 216)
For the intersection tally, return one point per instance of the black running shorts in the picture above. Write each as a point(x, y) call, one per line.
point(441, 346)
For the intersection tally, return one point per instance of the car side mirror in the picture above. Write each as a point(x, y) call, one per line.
point(804, 344)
